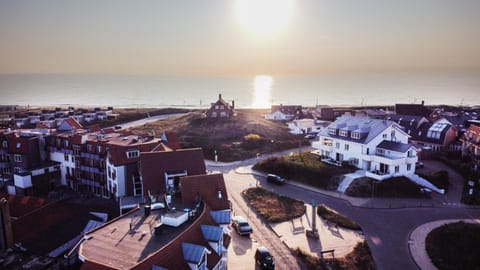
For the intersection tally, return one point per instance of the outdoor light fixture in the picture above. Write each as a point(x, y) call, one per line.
point(219, 194)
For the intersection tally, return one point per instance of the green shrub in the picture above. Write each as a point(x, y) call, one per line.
point(332, 216)
point(455, 246)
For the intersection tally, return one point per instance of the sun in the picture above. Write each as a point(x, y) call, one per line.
point(264, 17)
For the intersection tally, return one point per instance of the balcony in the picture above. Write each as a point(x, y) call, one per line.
point(331, 161)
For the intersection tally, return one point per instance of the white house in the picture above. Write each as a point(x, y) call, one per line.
point(306, 125)
point(378, 147)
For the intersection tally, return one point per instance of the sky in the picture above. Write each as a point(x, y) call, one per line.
point(241, 37)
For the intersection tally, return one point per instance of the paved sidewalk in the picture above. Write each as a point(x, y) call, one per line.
point(417, 246)
point(293, 234)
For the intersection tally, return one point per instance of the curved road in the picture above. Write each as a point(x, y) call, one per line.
point(387, 231)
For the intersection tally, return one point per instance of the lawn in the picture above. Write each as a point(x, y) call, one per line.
point(455, 246)
point(273, 207)
point(238, 138)
point(305, 168)
point(396, 187)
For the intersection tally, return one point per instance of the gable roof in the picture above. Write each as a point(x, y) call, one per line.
point(221, 216)
point(69, 124)
point(395, 146)
point(211, 233)
point(368, 128)
point(192, 253)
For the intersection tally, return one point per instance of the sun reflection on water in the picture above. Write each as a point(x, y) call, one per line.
point(262, 87)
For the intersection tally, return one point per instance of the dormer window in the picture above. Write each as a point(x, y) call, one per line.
point(343, 133)
point(133, 154)
point(355, 135)
point(332, 131)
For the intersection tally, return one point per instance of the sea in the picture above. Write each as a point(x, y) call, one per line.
point(259, 91)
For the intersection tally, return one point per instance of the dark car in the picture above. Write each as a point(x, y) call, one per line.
point(241, 225)
point(272, 178)
point(264, 259)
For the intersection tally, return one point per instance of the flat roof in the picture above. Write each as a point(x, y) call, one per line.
point(117, 246)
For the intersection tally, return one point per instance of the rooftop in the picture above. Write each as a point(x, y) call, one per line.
point(130, 239)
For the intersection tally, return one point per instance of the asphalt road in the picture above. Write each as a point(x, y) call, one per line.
point(387, 231)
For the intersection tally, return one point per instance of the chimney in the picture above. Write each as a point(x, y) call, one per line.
point(6, 234)
point(219, 96)
point(233, 104)
point(423, 102)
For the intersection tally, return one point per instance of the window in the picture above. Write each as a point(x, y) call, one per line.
point(114, 174)
point(66, 157)
point(384, 136)
point(18, 158)
point(76, 151)
point(214, 114)
point(343, 133)
point(216, 107)
point(99, 149)
point(66, 143)
point(133, 154)
point(222, 107)
point(109, 172)
point(5, 144)
point(347, 147)
point(89, 147)
point(355, 135)
point(73, 159)
point(337, 145)
point(58, 142)
point(332, 131)
point(409, 167)
point(397, 169)
point(16, 170)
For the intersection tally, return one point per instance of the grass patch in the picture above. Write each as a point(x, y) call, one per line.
point(455, 246)
point(334, 217)
point(273, 207)
point(305, 168)
point(359, 259)
point(237, 138)
point(395, 187)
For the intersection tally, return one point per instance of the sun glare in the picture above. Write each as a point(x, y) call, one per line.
point(262, 86)
point(264, 17)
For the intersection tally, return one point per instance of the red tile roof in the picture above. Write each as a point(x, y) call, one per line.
point(207, 187)
point(154, 166)
point(73, 123)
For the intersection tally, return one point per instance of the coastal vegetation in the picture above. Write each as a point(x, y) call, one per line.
point(305, 168)
point(359, 259)
point(395, 187)
point(454, 246)
point(273, 207)
point(331, 216)
point(240, 137)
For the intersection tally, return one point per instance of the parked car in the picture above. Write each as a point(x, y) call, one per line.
point(264, 259)
point(419, 165)
point(272, 178)
point(310, 136)
point(241, 225)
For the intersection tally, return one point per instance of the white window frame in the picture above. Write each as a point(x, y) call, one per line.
point(17, 158)
point(133, 153)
